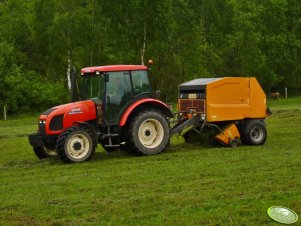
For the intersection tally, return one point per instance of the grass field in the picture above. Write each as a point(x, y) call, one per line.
point(185, 185)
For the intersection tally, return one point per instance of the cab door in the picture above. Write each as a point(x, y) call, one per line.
point(118, 93)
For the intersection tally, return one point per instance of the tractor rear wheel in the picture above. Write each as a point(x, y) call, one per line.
point(148, 133)
point(75, 145)
point(253, 132)
point(43, 152)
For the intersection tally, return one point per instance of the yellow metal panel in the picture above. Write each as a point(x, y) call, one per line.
point(234, 98)
point(228, 134)
point(257, 100)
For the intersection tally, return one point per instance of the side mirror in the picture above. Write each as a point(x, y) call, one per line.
point(158, 94)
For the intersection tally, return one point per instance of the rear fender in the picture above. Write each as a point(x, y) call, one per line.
point(157, 104)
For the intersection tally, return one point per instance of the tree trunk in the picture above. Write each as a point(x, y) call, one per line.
point(4, 111)
point(144, 44)
point(92, 34)
point(69, 70)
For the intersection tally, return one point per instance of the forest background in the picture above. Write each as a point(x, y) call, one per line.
point(41, 40)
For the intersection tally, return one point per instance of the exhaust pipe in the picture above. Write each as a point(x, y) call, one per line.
point(74, 91)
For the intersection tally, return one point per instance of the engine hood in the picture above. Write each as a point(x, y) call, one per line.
point(72, 108)
point(63, 116)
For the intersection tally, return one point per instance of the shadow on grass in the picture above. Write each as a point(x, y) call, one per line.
point(24, 163)
point(176, 146)
point(104, 156)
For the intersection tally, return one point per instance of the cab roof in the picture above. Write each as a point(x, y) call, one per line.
point(110, 68)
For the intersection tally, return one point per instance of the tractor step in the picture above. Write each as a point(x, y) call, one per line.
point(112, 146)
point(110, 135)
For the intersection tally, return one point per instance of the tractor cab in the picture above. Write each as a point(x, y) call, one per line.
point(113, 88)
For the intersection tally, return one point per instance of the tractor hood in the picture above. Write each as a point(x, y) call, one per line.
point(63, 116)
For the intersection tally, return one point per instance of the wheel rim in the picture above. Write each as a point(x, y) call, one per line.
point(257, 134)
point(78, 146)
point(151, 133)
point(51, 152)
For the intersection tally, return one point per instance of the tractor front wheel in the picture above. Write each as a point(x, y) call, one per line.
point(75, 145)
point(148, 133)
point(43, 152)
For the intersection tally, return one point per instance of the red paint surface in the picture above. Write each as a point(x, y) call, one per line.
point(110, 68)
point(136, 104)
point(87, 112)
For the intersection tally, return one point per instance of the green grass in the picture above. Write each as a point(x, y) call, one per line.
point(185, 185)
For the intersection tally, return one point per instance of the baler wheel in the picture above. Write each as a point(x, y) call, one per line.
point(253, 132)
point(75, 145)
point(43, 152)
point(148, 133)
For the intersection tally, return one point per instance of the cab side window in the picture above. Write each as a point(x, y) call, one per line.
point(118, 94)
point(140, 82)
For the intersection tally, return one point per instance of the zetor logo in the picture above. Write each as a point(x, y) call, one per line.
point(75, 111)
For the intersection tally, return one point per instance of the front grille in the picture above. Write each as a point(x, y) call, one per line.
point(42, 129)
point(196, 105)
point(56, 123)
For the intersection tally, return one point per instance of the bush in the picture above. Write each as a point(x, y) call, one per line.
point(30, 92)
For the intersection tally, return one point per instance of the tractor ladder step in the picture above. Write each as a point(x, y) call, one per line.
point(110, 135)
point(112, 145)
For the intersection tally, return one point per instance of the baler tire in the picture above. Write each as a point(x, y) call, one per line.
point(148, 133)
point(253, 132)
point(43, 152)
point(79, 135)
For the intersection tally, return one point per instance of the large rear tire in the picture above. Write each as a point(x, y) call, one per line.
point(253, 132)
point(148, 133)
point(75, 145)
point(43, 152)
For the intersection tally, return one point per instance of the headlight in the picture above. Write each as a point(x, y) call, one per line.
point(42, 121)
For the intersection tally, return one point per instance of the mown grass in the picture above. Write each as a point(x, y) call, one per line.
point(186, 185)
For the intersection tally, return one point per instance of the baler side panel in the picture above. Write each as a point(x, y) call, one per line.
point(257, 100)
point(228, 99)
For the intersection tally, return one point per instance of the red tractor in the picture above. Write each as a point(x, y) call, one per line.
point(118, 110)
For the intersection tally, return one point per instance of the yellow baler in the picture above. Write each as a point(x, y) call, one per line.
point(236, 106)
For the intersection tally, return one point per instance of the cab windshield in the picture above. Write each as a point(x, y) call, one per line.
point(93, 87)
